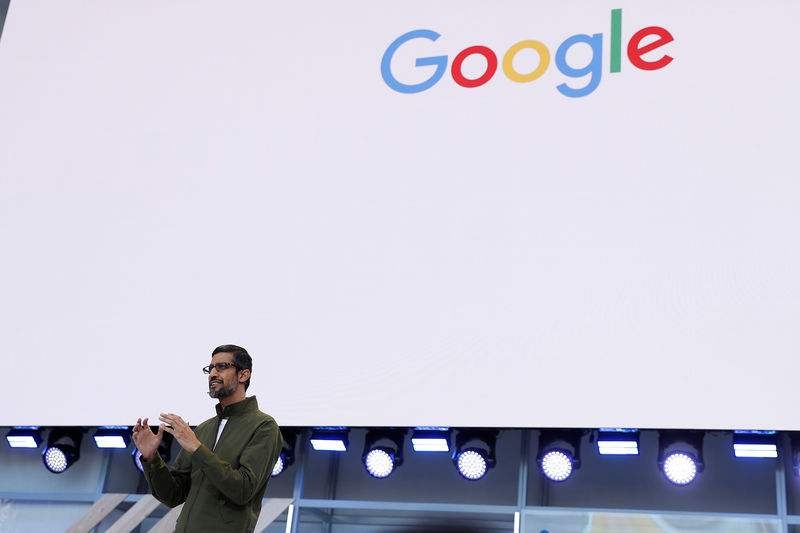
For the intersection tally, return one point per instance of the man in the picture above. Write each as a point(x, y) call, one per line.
point(223, 469)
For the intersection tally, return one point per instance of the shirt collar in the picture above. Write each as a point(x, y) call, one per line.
point(238, 408)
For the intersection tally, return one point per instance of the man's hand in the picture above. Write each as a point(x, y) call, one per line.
point(181, 431)
point(146, 441)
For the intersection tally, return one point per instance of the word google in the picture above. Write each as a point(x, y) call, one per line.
point(594, 68)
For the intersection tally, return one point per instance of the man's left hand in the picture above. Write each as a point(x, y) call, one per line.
point(181, 431)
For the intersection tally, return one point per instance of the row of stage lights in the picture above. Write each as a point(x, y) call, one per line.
point(63, 448)
point(680, 453)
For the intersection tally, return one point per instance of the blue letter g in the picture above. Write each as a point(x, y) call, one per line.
point(439, 61)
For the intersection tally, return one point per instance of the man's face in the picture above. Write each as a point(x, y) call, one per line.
point(222, 383)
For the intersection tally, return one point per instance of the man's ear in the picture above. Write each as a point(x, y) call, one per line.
point(244, 375)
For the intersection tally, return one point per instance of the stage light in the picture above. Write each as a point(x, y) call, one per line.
point(794, 446)
point(431, 439)
point(329, 439)
point(680, 455)
point(137, 459)
point(56, 460)
point(472, 464)
point(379, 463)
point(680, 468)
point(559, 453)
point(474, 452)
point(24, 437)
point(557, 465)
point(112, 437)
point(618, 441)
point(383, 451)
point(286, 458)
point(755, 444)
point(63, 449)
point(164, 450)
point(279, 465)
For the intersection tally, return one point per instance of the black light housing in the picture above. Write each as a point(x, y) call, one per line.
point(474, 452)
point(680, 455)
point(286, 458)
point(63, 449)
point(794, 444)
point(559, 453)
point(383, 451)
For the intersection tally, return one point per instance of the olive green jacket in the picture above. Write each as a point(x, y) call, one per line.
point(222, 489)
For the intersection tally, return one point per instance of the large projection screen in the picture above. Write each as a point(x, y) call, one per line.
point(463, 213)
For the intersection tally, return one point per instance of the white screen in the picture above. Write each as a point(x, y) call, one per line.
point(181, 175)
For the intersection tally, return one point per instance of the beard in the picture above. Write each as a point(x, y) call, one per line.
point(224, 391)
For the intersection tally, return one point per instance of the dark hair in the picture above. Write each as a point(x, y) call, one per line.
point(241, 358)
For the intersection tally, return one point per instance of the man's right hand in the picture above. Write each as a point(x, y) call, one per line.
point(146, 441)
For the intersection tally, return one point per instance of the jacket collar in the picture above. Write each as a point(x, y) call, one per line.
point(238, 408)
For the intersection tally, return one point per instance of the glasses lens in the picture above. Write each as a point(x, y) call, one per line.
point(219, 366)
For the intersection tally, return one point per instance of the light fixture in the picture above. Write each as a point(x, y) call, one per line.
point(279, 465)
point(755, 444)
point(136, 455)
point(431, 439)
point(24, 437)
point(794, 446)
point(330, 439)
point(164, 450)
point(472, 464)
point(474, 452)
point(557, 465)
point(112, 437)
point(611, 441)
point(63, 449)
point(680, 455)
point(286, 458)
point(559, 453)
point(680, 467)
point(383, 451)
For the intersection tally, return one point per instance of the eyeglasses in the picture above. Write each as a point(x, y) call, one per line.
point(220, 367)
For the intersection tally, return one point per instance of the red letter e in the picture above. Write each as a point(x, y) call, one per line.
point(635, 53)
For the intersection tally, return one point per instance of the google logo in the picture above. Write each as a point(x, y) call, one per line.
point(635, 52)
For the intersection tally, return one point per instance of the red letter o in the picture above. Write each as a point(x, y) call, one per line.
point(491, 68)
